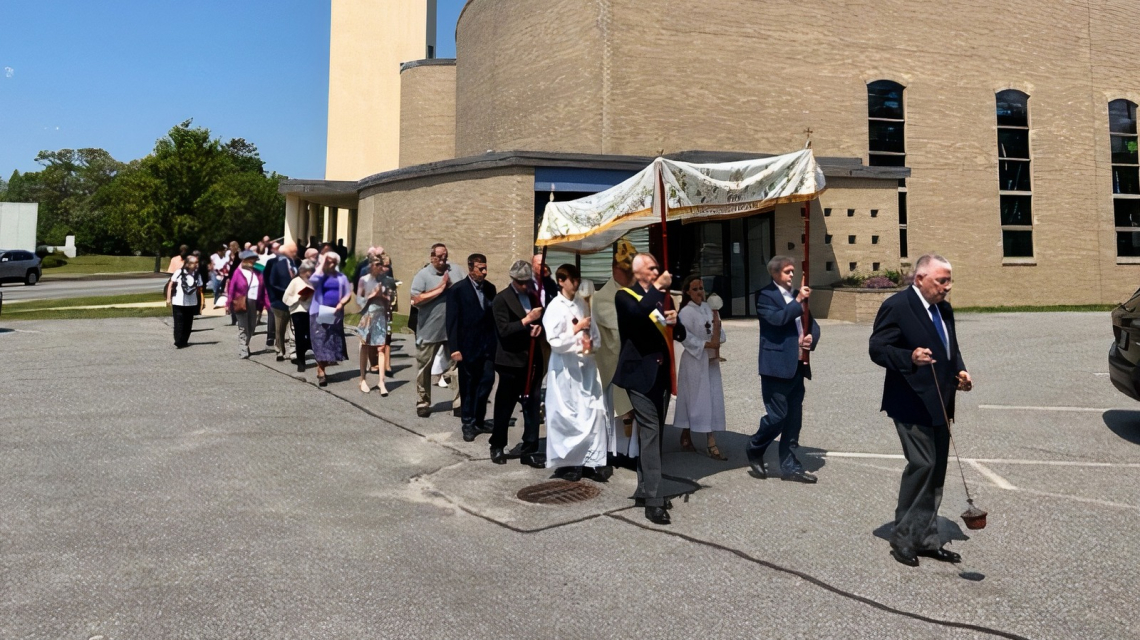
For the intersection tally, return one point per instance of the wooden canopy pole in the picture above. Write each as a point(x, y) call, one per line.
point(664, 202)
point(805, 354)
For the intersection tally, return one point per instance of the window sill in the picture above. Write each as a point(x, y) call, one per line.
point(1019, 262)
point(1127, 260)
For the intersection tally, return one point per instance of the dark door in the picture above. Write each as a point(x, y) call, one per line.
point(730, 256)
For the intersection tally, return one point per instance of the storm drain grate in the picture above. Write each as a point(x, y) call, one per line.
point(558, 492)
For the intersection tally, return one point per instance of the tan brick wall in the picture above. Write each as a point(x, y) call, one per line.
point(427, 114)
point(489, 212)
point(610, 76)
point(528, 76)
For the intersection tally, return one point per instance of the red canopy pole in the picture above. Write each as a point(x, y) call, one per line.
point(805, 354)
point(534, 300)
point(662, 199)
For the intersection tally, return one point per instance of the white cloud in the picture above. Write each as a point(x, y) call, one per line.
point(9, 72)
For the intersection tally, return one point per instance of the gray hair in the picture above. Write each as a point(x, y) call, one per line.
point(777, 264)
point(922, 265)
point(307, 265)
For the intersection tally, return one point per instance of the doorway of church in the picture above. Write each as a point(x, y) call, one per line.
point(730, 256)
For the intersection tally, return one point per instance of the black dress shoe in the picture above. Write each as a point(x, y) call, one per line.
point(572, 474)
point(423, 412)
point(521, 449)
point(800, 476)
point(498, 456)
point(469, 433)
point(941, 555)
point(599, 474)
point(536, 459)
point(657, 515)
point(904, 556)
point(759, 468)
point(300, 367)
point(488, 427)
point(280, 358)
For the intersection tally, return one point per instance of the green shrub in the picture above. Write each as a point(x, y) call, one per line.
point(53, 260)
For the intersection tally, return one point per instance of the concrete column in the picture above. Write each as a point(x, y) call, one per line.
point(292, 218)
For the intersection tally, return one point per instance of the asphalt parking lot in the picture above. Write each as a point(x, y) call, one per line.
point(152, 493)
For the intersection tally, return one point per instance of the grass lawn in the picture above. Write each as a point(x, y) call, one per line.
point(82, 265)
point(61, 309)
point(1080, 307)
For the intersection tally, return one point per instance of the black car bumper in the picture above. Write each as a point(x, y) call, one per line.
point(1124, 374)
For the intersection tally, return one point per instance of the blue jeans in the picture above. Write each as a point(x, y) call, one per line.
point(784, 402)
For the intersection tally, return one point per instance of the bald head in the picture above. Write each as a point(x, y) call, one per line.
point(645, 269)
point(289, 250)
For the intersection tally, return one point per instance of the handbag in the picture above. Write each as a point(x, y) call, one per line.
point(239, 304)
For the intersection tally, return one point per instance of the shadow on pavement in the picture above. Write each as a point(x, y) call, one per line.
point(1125, 424)
point(948, 531)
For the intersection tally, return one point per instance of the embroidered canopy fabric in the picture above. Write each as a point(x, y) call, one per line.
point(696, 192)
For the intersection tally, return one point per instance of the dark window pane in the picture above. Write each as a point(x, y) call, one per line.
point(1017, 210)
point(1123, 149)
point(1127, 212)
point(1017, 244)
point(1122, 116)
point(1128, 244)
point(1013, 175)
point(887, 136)
point(1012, 109)
point(1013, 143)
point(902, 207)
point(902, 243)
point(878, 160)
point(885, 100)
point(1125, 180)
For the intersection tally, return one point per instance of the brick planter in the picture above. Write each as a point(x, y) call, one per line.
point(849, 305)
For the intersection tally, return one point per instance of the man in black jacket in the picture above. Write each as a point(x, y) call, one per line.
point(279, 272)
point(644, 370)
point(518, 322)
point(471, 341)
point(915, 340)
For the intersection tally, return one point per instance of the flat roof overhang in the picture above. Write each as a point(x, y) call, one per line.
point(338, 193)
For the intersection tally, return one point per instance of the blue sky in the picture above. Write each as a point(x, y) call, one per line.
point(118, 75)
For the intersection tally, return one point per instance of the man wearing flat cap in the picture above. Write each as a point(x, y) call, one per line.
point(518, 321)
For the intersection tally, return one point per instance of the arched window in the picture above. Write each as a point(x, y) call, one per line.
point(1125, 177)
point(1014, 178)
point(886, 127)
point(886, 124)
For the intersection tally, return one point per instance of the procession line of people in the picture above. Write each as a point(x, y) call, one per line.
point(600, 366)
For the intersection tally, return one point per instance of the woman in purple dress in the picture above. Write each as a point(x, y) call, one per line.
point(331, 291)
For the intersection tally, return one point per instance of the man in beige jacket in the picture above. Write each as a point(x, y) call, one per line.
point(606, 354)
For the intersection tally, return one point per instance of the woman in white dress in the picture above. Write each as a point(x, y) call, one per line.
point(577, 430)
point(700, 392)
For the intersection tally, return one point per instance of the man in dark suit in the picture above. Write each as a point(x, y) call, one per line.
point(279, 272)
point(915, 340)
point(643, 370)
point(782, 371)
point(471, 341)
point(518, 322)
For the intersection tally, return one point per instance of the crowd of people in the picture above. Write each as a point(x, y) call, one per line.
point(597, 366)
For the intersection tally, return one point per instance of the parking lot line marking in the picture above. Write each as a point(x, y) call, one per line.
point(1045, 463)
point(847, 454)
point(1006, 407)
point(999, 481)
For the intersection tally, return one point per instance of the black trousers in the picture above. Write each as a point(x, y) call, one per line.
point(476, 377)
point(784, 402)
point(649, 413)
point(301, 341)
point(183, 324)
point(920, 492)
point(512, 384)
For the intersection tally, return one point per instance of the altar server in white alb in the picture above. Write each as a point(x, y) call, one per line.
point(700, 392)
point(578, 431)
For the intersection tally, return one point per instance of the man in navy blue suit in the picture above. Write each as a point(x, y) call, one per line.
point(471, 341)
point(782, 373)
point(915, 340)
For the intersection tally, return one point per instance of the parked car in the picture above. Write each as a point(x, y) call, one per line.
point(19, 266)
point(1124, 354)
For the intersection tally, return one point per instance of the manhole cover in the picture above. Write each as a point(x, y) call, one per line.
point(558, 492)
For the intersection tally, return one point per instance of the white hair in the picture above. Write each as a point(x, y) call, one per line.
point(922, 265)
point(640, 259)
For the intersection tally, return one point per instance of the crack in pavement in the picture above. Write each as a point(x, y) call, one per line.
point(822, 584)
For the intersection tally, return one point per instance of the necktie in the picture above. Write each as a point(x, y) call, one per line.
point(936, 316)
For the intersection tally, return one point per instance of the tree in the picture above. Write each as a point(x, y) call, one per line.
point(194, 190)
